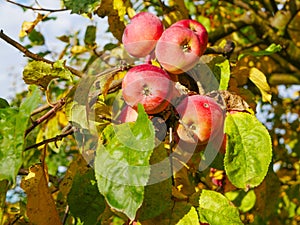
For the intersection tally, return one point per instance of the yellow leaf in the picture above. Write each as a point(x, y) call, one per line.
point(40, 137)
point(154, 62)
point(121, 7)
point(41, 208)
point(260, 80)
point(27, 27)
point(52, 129)
point(131, 12)
point(77, 49)
point(62, 118)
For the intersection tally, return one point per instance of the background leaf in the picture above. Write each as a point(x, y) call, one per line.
point(248, 151)
point(122, 163)
point(81, 6)
point(36, 37)
point(3, 103)
point(84, 198)
point(243, 200)
point(260, 80)
point(216, 209)
point(225, 74)
point(114, 10)
point(271, 49)
point(41, 207)
point(13, 123)
point(157, 196)
point(90, 35)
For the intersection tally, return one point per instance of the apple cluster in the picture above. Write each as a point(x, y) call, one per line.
point(176, 50)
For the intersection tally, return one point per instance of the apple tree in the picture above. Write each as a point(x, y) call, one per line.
point(183, 117)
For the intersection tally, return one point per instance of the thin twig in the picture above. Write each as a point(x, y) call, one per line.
point(16, 219)
point(36, 9)
point(33, 55)
point(47, 115)
point(40, 109)
point(64, 220)
point(54, 139)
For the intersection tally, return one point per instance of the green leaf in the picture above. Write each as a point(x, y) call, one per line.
point(216, 209)
point(90, 35)
point(81, 6)
point(3, 103)
point(225, 74)
point(271, 49)
point(13, 123)
point(158, 194)
point(36, 38)
point(84, 198)
point(41, 73)
point(110, 46)
point(245, 201)
point(122, 163)
point(260, 80)
point(191, 218)
point(248, 151)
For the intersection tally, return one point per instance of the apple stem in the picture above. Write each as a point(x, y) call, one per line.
point(146, 90)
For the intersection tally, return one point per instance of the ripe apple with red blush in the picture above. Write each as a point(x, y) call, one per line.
point(201, 118)
point(178, 49)
point(198, 29)
point(149, 85)
point(141, 34)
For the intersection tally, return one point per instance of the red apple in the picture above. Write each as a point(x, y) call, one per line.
point(198, 29)
point(149, 85)
point(141, 34)
point(201, 118)
point(178, 49)
point(127, 114)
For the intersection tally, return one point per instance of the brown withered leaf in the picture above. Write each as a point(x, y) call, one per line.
point(229, 101)
point(41, 208)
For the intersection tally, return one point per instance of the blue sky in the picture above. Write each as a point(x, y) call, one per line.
point(12, 61)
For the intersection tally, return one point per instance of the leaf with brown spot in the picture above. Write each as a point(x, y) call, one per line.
point(41, 208)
